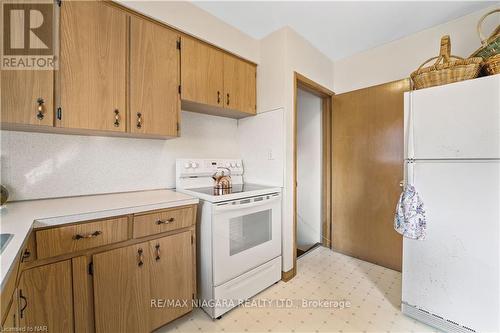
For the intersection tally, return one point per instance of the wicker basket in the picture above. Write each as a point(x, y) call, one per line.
point(492, 65)
point(448, 71)
point(489, 46)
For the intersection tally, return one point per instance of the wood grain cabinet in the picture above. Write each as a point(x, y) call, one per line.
point(11, 322)
point(171, 270)
point(215, 82)
point(154, 78)
point(202, 73)
point(81, 236)
point(132, 284)
point(78, 280)
point(45, 298)
point(121, 289)
point(27, 97)
point(92, 67)
point(239, 85)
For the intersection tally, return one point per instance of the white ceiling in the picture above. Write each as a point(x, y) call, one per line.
point(340, 28)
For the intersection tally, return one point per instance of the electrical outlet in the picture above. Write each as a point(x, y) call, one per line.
point(270, 155)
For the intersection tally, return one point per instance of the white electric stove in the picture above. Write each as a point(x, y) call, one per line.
point(239, 234)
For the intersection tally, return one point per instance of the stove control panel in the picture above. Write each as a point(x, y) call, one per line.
point(206, 167)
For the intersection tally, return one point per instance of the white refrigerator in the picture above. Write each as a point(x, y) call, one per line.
point(451, 280)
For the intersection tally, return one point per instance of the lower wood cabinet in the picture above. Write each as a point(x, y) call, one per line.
point(121, 289)
point(11, 322)
point(45, 298)
point(133, 284)
point(170, 278)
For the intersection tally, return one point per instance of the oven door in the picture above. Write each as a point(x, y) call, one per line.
point(246, 234)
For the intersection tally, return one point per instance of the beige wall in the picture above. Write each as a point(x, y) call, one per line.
point(284, 52)
point(193, 20)
point(396, 60)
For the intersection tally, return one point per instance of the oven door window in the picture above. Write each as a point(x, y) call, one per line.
point(248, 231)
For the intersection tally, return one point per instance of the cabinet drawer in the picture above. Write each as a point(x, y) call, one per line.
point(164, 220)
point(77, 237)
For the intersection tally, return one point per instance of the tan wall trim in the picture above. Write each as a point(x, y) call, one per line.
point(287, 276)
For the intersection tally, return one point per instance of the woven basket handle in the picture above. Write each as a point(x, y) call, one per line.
point(484, 40)
point(445, 49)
point(444, 52)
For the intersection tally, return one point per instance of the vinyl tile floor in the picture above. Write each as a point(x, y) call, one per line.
point(361, 297)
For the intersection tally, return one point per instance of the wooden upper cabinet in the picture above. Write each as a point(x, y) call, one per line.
point(154, 78)
point(45, 297)
point(202, 69)
point(92, 66)
point(27, 97)
point(239, 85)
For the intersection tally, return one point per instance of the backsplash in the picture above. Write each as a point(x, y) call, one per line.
point(39, 165)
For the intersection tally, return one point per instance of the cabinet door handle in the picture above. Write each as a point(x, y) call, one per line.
point(21, 311)
point(139, 120)
point(40, 108)
point(89, 235)
point(26, 255)
point(218, 97)
point(227, 100)
point(167, 221)
point(157, 249)
point(117, 118)
point(140, 257)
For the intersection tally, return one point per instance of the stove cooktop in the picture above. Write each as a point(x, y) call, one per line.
point(239, 188)
point(237, 191)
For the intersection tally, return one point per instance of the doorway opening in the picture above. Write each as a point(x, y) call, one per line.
point(309, 170)
point(304, 84)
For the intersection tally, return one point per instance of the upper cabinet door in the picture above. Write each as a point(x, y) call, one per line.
point(202, 73)
point(27, 97)
point(93, 66)
point(154, 79)
point(239, 85)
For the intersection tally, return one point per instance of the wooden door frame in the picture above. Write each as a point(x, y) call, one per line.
point(326, 95)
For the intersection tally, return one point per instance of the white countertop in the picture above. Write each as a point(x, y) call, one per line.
point(18, 218)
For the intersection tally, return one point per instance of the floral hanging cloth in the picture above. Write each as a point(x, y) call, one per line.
point(410, 220)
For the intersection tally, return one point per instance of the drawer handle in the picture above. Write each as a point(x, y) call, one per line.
point(90, 235)
point(167, 221)
point(140, 257)
point(157, 249)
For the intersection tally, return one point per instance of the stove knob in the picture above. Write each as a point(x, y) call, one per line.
point(233, 165)
point(238, 165)
point(194, 165)
point(228, 165)
point(187, 165)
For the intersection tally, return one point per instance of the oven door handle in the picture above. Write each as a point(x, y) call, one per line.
point(229, 207)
